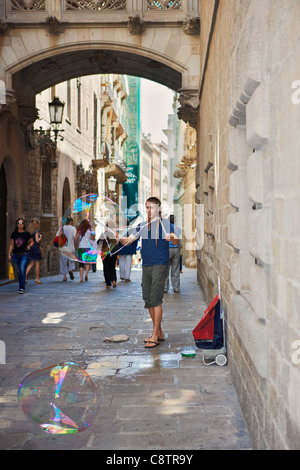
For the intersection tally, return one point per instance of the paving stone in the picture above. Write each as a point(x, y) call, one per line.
point(147, 399)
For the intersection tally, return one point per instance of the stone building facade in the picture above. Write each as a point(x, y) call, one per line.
point(185, 174)
point(145, 181)
point(239, 84)
point(57, 174)
point(248, 180)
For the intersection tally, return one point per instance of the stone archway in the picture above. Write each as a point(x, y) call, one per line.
point(53, 43)
point(49, 68)
point(154, 40)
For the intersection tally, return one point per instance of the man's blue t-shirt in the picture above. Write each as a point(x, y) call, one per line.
point(128, 249)
point(177, 231)
point(155, 249)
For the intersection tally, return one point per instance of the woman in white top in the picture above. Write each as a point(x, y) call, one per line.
point(83, 236)
point(67, 252)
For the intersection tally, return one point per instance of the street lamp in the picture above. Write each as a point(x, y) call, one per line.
point(111, 181)
point(56, 109)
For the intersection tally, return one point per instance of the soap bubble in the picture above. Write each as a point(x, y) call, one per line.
point(105, 219)
point(61, 399)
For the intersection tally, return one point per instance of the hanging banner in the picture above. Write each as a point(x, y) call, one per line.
point(132, 148)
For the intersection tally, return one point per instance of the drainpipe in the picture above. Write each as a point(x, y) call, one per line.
point(212, 28)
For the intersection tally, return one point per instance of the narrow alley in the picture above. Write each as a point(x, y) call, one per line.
point(147, 399)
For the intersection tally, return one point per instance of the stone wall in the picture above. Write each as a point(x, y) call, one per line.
point(188, 239)
point(251, 209)
point(36, 172)
point(32, 209)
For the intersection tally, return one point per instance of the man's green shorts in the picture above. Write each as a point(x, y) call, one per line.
point(153, 283)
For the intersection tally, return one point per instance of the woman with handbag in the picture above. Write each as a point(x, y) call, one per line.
point(83, 247)
point(109, 249)
point(18, 252)
point(66, 236)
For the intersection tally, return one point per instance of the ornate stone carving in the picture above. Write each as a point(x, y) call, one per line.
point(191, 25)
point(95, 5)
point(84, 178)
point(27, 116)
point(7, 98)
point(179, 173)
point(136, 25)
point(10, 96)
point(164, 4)
point(27, 5)
point(188, 111)
point(4, 27)
point(104, 61)
point(54, 26)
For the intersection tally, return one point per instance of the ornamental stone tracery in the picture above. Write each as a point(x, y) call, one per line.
point(164, 5)
point(28, 5)
point(94, 5)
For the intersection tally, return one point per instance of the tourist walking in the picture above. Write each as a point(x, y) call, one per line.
point(94, 248)
point(82, 238)
point(156, 234)
point(109, 270)
point(35, 250)
point(125, 259)
point(18, 252)
point(67, 252)
point(109, 249)
point(174, 259)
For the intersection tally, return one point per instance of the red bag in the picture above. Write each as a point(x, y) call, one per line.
point(204, 331)
point(60, 240)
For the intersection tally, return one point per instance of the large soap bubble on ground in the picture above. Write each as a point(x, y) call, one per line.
point(61, 399)
point(101, 216)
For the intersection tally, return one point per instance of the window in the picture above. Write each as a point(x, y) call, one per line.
point(95, 131)
point(69, 100)
point(66, 196)
point(46, 182)
point(78, 104)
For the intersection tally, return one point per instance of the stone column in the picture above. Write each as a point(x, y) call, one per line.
point(54, 8)
point(135, 7)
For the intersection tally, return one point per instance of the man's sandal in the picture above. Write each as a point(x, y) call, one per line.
point(151, 342)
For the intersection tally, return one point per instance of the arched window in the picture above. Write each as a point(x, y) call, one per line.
point(46, 181)
point(66, 196)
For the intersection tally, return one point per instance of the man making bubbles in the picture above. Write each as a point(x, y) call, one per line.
point(156, 233)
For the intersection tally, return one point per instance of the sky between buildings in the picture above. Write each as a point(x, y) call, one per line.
point(156, 105)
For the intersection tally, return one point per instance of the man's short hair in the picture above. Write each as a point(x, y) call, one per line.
point(154, 199)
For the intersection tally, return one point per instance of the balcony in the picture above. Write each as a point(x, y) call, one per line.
point(109, 11)
point(118, 170)
point(113, 164)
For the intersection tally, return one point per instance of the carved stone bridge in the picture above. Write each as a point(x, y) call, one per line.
point(44, 42)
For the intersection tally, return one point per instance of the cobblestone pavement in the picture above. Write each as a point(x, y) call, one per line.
point(147, 399)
